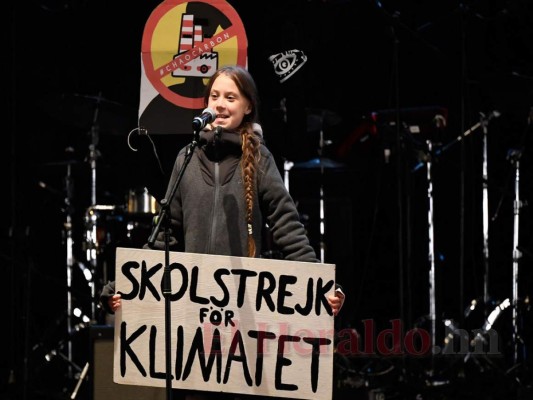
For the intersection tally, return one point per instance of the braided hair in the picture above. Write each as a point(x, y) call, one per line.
point(250, 140)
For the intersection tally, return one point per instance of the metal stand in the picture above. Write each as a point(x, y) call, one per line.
point(431, 254)
point(92, 253)
point(321, 146)
point(287, 166)
point(93, 250)
point(431, 246)
point(64, 348)
point(82, 376)
point(514, 156)
point(69, 242)
point(486, 298)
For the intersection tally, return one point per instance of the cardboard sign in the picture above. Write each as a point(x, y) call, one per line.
point(239, 325)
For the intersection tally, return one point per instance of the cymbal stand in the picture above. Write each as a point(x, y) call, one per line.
point(93, 150)
point(431, 255)
point(287, 166)
point(71, 328)
point(514, 155)
point(91, 251)
point(69, 242)
point(431, 245)
point(322, 217)
point(485, 179)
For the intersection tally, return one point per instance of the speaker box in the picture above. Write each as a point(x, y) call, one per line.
point(102, 372)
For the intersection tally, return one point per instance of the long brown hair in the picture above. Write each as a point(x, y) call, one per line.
point(250, 141)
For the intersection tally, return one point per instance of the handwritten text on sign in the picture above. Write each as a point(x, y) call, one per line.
point(243, 325)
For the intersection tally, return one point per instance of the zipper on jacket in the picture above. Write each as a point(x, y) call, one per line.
point(212, 239)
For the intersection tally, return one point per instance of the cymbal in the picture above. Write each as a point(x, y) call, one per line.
point(88, 111)
point(318, 119)
point(326, 163)
point(98, 99)
point(61, 163)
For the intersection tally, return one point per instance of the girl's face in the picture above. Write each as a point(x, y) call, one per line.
point(228, 103)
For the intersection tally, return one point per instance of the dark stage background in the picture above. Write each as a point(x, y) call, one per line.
point(462, 60)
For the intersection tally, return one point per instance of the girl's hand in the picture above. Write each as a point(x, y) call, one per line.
point(336, 301)
point(115, 302)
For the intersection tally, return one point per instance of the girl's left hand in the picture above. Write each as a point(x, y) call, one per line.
point(336, 301)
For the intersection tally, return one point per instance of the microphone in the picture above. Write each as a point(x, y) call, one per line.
point(207, 116)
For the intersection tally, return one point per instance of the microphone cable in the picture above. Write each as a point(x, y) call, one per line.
point(144, 132)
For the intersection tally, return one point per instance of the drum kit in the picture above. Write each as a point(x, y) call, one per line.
point(107, 226)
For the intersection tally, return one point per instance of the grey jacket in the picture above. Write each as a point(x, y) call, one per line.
point(208, 210)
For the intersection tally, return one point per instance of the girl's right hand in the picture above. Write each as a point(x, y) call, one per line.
point(115, 302)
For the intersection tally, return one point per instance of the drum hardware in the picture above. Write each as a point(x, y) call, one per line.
point(69, 242)
point(87, 273)
point(95, 241)
point(485, 342)
point(79, 323)
point(317, 120)
point(287, 166)
point(485, 180)
point(454, 337)
point(107, 226)
point(489, 323)
point(74, 370)
point(473, 305)
point(431, 246)
point(514, 156)
point(94, 237)
point(73, 320)
point(480, 349)
point(94, 154)
point(82, 376)
point(428, 160)
point(320, 163)
point(140, 201)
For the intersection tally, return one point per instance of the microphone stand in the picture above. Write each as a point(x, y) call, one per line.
point(163, 220)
